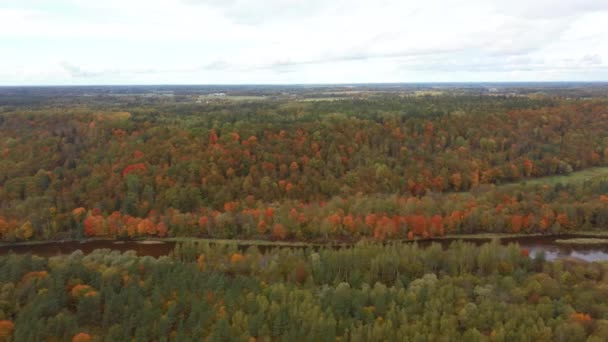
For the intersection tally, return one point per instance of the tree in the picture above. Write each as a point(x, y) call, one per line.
point(6, 330)
point(279, 232)
point(25, 231)
point(81, 337)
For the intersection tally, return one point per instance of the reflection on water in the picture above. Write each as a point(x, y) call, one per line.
point(587, 253)
point(535, 244)
point(59, 248)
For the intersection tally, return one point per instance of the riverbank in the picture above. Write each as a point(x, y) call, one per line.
point(533, 243)
point(300, 244)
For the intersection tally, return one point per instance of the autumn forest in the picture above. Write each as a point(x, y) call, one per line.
point(360, 185)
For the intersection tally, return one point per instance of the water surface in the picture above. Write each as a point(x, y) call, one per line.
point(535, 244)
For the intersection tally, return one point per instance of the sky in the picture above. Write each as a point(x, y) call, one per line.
point(75, 42)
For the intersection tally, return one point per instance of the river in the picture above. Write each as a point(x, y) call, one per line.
point(535, 244)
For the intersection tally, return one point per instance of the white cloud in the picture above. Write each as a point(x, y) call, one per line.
point(292, 41)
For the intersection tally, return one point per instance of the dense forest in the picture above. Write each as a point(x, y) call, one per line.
point(379, 167)
point(356, 188)
point(370, 292)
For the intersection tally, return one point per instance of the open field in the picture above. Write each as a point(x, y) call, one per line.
point(574, 177)
point(230, 98)
point(582, 241)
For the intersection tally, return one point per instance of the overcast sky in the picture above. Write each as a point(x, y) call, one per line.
point(301, 41)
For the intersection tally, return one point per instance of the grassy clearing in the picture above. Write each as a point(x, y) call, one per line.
point(582, 241)
point(264, 243)
point(574, 177)
point(484, 236)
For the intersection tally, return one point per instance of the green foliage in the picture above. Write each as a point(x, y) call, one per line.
point(369, 292)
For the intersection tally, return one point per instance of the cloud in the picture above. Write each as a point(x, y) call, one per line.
point(78, 72)
point(251, 12)
point(292, 41)
point(540, 9)
point(591, 60)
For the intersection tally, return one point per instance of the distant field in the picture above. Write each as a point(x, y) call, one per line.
point(231, 98)
point(313, 99)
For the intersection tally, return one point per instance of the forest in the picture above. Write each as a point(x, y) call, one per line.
point(302, 214)
point(368, 292)
point(379, 167)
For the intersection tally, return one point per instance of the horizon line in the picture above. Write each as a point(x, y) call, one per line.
point(293, 84)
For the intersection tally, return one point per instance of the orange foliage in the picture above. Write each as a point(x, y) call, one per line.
point(146, 226)
point(437, 225)
point(370, 220)
point(231, 206)
point(293, 214)
point(236, 258)
point(294, 167)
point(202, 223)
point(81, 290)
point(385, 228)
point(562, 219)
point(212, 137)
point(93, 225)
point(456, 180)
point(6, 329)
point(133, 168)
point(262, 227)
point(516, 223)
point(438, 183)
point(78, 212)
point(34, 275)
point(528, 167)
point(301, 273)
point(419, 225)
point(4, 228)
point(595, 157)
point(81, 337)
point(269, 213)
point(334, 220)
point(580, 317)
point(545, 223)
point(349, 222)
point(138, 154)
point(279, 232)
point(161, 229)
point(113, 222)
point(131, 224)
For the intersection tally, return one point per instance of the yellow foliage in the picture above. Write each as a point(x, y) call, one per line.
point(91, 293)
point(26, 231)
